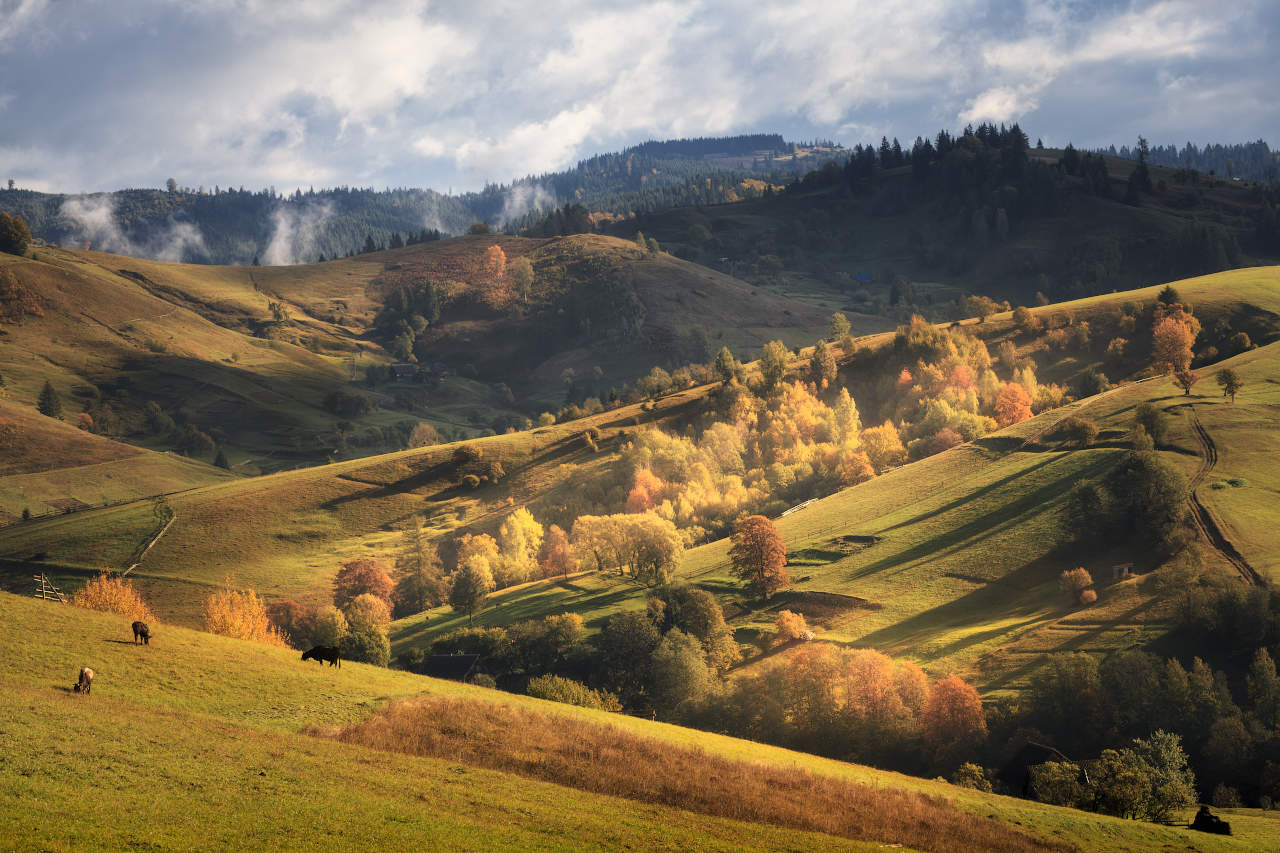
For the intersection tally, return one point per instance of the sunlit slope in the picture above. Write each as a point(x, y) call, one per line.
point(198, 740)
point(953, 561)
point(286, 534)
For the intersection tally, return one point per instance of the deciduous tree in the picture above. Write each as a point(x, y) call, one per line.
point(357, 577)
point(759, 556)
point(1184, 379)
point(953, 721)
point(1230, 382)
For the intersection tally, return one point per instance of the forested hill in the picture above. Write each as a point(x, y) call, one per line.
point(222, 225)
point(911, 229)
point(1250, 161)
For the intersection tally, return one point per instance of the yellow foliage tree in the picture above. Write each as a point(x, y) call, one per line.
point(241, 614)
point(112, 593)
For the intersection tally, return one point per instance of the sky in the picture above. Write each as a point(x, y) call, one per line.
point(96, 96)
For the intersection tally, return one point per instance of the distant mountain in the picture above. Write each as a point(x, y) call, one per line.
point(221, 225)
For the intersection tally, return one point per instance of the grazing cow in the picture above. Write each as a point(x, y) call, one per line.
point(85, 684)
point(141, 633)
point(320, 654)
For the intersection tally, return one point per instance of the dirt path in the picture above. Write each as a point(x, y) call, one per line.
point(1200, 515)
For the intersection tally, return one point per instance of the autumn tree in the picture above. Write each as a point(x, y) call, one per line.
point(1171, 344)
point(242, 614)
point(1230, 382)
point(773, 364)
point(726, 366)
point(423, 435)
point(791, 626)
point(110, 592)
point(1074, 582)
point(295, 619)
point(330, 626)
point(1184, 379)
point(495, 285)
point(953, 722)
point(556, 557)
point(883, 446)
point(822, 366)
point(357, 577)
point(1013, 404)
point(679, 670)
point(519, 540)
point(759, 556)
point(472, 583)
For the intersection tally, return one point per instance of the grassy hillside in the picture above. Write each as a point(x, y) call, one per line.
point(197, 740)
point(251, 355)
point(49, 466)
point(952, 561)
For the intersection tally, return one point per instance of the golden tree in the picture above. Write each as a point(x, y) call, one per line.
point(112, 593)
point(241, 614)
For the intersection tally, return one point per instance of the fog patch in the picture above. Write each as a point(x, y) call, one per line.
point(295, 234)
point(523, 199)
point(96, 227)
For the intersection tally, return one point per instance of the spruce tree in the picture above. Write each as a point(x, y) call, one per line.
point(50, 404)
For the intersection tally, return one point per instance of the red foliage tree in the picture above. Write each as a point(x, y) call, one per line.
point(557, 557)
point(362, 576)
point(1171, 344)
point(953, 719)
point(759, 555)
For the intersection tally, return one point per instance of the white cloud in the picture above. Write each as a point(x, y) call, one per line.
point(411, 92)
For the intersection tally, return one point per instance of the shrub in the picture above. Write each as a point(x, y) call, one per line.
point(1078, 430)
point(1226, 797)
point(241, 614)
point(1093, 382)
point(970, 775)
point(112, 593)
point(1088, 597)
point(556, 689)
point(1074, 582)
point(791, 626)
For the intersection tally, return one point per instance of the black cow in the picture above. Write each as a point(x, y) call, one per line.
point(141, 633)
point(320, 654)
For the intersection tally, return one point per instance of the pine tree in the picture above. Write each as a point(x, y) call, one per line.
point(50, 404)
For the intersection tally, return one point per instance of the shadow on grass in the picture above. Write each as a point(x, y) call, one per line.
point(989, 523)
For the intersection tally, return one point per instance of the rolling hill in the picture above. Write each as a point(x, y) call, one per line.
point(212, 741)
point(957, 576)
point(272, 362)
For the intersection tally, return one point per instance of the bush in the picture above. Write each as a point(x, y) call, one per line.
point(1078, 430)
point(970, 775)
point(792, 626)
point(1088, 597)
point(556, 689)
point(1074, 582)
point(112, 593)
point(1226, 797)
point(243, 615)
point(1093, 382)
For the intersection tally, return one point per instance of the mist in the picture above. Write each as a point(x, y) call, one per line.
point(524, 198)
point(295, 234)
point(96, 228)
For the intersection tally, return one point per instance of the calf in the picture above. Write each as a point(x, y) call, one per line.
point(320, 654)
point(85, 684)
point(141, 633)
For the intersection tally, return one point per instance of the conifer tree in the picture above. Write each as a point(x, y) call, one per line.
point(50, 404)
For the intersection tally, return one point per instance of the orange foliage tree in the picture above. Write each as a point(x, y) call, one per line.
point(759, 555)
point(495, 286)
point(1171, 344)
point(556, 556)
point(953, 721)
point(1013, 405)
point(791, 626)
point(112, 593)
point(357, 577)
point(241, 614)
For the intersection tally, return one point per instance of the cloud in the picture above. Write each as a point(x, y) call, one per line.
point(451, 94)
